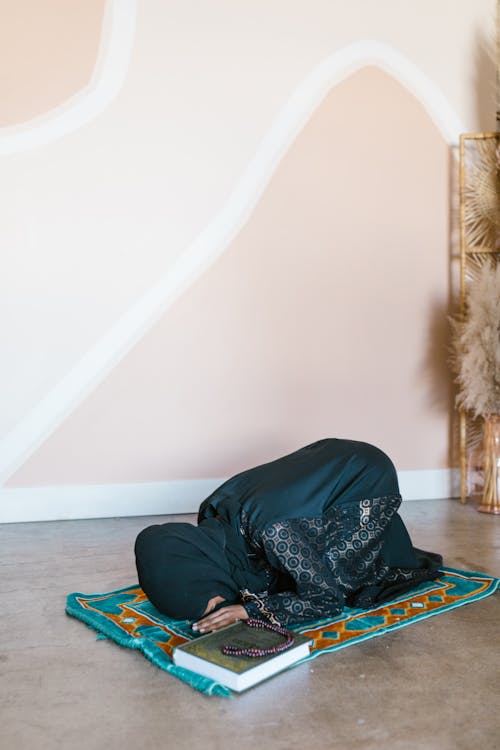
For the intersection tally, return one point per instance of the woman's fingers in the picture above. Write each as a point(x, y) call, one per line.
point(221, 618)
point(215, 621)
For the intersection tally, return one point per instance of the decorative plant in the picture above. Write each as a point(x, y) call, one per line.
point(476, 333)
point(476, 344)
point(476, 361)
point(482, 196)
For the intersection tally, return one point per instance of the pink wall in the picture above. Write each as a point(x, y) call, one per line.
point(324, 317)
point(48, 51)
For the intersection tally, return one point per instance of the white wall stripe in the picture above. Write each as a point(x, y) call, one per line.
point(31, 432)
point(159, 498)
point(109, 74)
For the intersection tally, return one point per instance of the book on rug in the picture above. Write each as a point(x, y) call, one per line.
point(204, 655)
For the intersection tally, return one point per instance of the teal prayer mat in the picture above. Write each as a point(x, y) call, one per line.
point(128, 617)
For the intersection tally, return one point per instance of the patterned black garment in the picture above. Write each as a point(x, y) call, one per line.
point(323, 544)
point(331, 560)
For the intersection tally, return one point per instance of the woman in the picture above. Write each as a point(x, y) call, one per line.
point(292, 540)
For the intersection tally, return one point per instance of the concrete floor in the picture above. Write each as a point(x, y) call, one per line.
point(432, 685)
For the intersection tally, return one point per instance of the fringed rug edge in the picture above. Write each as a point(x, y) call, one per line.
point(103, 627)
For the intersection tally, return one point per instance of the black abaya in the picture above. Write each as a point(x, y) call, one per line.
point(316, 530)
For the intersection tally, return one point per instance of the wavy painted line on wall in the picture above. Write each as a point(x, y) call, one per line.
point(109, 75)
point(30, 433)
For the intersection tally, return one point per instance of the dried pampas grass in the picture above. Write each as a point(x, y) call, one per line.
point(476, 343)
point(482, 195)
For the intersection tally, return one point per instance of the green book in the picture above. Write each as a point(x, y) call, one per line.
point(204, 656)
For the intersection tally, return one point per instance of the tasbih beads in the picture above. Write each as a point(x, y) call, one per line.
point(256, 652)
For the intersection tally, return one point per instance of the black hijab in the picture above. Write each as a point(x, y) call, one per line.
point(182, 566)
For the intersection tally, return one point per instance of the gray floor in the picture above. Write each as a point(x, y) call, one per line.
point(432, 685)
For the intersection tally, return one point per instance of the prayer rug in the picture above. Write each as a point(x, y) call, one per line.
point(127, 617)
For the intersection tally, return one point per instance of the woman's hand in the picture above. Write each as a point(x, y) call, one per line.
point(221, 618)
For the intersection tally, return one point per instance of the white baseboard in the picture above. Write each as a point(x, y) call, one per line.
point(103, 500)
point(429, 484)
point(162, 498)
